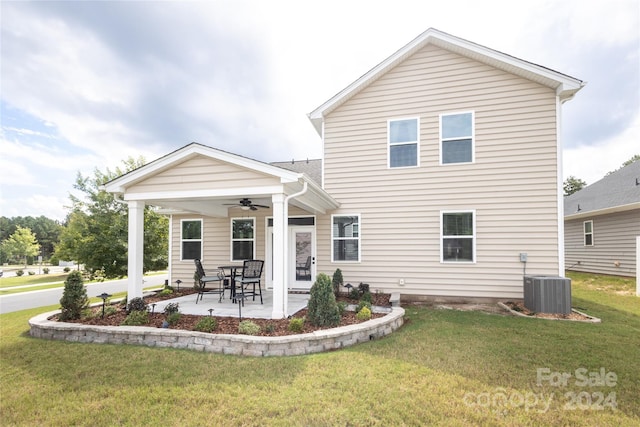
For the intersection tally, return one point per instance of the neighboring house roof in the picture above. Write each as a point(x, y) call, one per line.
point(617, 192)
point(312, 168)
point(564, 85)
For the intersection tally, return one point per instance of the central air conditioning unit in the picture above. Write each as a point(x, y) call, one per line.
point(547, 294)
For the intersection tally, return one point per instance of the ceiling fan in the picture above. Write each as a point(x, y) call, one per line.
point(245, 204)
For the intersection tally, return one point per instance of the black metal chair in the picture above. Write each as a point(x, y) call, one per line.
point(303, 271)
point(203, 280)
point(251, 272)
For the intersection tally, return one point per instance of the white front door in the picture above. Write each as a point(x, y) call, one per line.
point(302, 259)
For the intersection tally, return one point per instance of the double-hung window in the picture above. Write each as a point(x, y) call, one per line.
point(458, 236)
point(403, 142)
point(190, 239)
point(588, 233)
point(345, 237)
point(243, 239)
point(457, 138)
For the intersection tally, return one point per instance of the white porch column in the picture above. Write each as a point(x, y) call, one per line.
point(279, 286)
point(136, 249)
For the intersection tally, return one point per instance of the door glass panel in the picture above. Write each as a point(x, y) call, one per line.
point(303, 256)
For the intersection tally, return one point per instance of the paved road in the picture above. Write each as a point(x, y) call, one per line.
point(42, 298)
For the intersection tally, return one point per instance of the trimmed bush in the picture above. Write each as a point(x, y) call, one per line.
point(206, 324)
point(296, 324)
point(322, 308)
point(363, 304)
point(45, 270)
point(364, 314)
point(337, 281)
point(136, 304)
point(66, 269)
point(136, 318)
point(247, 327)
point(172, 307)
point(74, 297)
point(20, 273)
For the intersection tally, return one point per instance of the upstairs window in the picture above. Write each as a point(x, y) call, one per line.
point(588, 233)
point(243, 240)
point(458, 236)
point(456, 138)
point(403, 142)
point(345, 237)
point(190, 239)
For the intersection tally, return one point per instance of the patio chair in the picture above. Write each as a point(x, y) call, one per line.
point(303, 271)
point(203, 280)
point(251, 272)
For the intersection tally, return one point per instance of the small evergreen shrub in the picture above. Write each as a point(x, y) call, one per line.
point(270, 328)
point(20, 273)
point(165, 292)
point(136, 304)
point(173, 318)
point(337, 281)
point(364, 314)
point(66, 269)
point(172, 307)
point(363, 304)
point(247, 327)
point(109, 311)
point(31, 273)
point(354, 294)
point(342, 307)
point(322, 307)
point(136, 318)
point(45, 270)
point(74, 297)
point(363, 288)
point(296, 324)
point(206, 324)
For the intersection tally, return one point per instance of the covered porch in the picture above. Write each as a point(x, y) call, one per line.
point(209, 187)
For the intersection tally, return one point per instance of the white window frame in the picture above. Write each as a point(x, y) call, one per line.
point(416, 142)
point(182, 239)
point(232, 240)
point(473, 236)
point(585, 234)
point(472, 137)
point(358, 238)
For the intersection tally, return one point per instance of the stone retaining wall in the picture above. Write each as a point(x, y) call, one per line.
point(290, 345)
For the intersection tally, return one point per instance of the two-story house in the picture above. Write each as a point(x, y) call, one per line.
point(441, 175)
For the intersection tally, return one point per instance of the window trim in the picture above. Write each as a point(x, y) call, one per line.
point(585, 234)
point(201, 239)
point(359, 239)
point(416, 142)
point(472, 136)
point(231, 239)
point(473, 237)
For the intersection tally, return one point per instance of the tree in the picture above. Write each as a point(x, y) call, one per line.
point(47, 232)
point(572, 184)
point(634, 158)
point(97, 227)
point(22, 244)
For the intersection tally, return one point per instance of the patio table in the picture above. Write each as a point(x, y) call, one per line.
point(233, 273)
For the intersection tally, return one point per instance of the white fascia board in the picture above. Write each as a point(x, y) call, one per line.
point(208, 193)
point(598, 212)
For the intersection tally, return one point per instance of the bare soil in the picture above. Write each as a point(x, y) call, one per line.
point(228, 325)
point(520, 308)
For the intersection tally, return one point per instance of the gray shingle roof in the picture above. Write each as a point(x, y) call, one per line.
point(313, 168)
point(620, 188)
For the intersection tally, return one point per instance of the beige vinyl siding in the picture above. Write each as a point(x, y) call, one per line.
point(511, 185)
point(203, 173)
point(614, 240)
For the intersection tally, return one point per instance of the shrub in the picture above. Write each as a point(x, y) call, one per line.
point(110, 311)
point(45, 270)
point(165, 292)
point(337, 281)
point(206, 324)
point(342, 307)
point(354, 294)
point(322, 307)
point(98, 275)
point(270, 328)
point(363, 304)
point(366, 297)
point(19, 273)
point(363, 288)
point(296, 324)
point(247, 327)
point(172, 307)
point(74, 297)
point(136, 304)
point(136, 318)
point(173, 318)
point(31, 273)
point(364, 314)
point(66, 269)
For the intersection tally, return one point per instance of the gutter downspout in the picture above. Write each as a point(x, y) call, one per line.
point(285, 278)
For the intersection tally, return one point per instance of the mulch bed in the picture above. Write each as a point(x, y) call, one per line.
point(229, 325)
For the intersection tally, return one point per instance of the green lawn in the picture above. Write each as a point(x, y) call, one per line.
point(443, 367)
point(7, 282)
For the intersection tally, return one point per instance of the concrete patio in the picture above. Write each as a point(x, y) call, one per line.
point(251, 309)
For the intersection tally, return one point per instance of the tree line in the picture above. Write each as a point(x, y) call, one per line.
point(93, 234)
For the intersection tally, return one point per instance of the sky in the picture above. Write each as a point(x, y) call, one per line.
point(88, 84)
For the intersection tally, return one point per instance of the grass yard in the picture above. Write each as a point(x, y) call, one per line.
point(443, 367)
